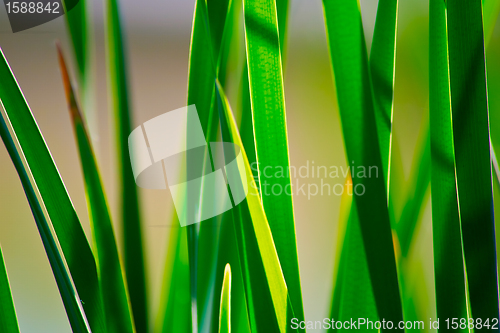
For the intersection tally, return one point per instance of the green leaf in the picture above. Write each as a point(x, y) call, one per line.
point(449, 267)
point(225, 302)
point(175, 307)
point(269, 121)
point(257, 251)
point(115, 297)
point(8, 318)
point(76, 20)
point(491, 9)
point(472, 154)
point(354, 93)
point(129, 206)
point(54, 198)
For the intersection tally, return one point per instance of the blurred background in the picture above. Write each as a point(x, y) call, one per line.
point(158, 38)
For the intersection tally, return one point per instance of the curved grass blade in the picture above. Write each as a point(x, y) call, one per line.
point(8, 318)
point(382, 70)
point(350, 66)
point(225, 302)
point(114, 293)
point(472, 154)
point(449, 267)
point(129, 205)
point(55, 199)
point(263, 276)
point(269, 120)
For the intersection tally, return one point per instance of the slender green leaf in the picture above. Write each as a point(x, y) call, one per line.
point(472, 153)
point(8, 318)
point(115, 297)
point(76, 20)
point(55, 199)
point(225, 302)
point(350, 66)
point(129, 206)
point(269, 121)
point(491, 9)
point(256, 245)
point(447, 238)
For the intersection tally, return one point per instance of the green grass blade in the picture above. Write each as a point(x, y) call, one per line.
point(47, 181)
point(447, 237)
point(76, 20)
point(269, 120)
point(8, 318)
point(382, 70)
point(350, 66)
point(130, 216)
point(225, 302)
point(115, 297)
point(175, 309)
point(256, 245)
point(472, 153)
point(491, 9)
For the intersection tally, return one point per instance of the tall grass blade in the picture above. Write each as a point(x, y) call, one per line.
point(129, 206)
point(265, 287)
point(76, 20)
point(54, 198)
point(351, 72)
point(8, 318)
point(491, 9)
point(447, 236)
point(225, 302)
point(115, 296)
point(472, 154)
point(269, 120)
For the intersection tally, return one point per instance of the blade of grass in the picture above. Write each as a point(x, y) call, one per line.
point(491, 9)
point(225, 302)
point(8, 318)
point(55, 199)
point(449, 267)
point(255, 242)
point(472, 154)
point(115, 297)
point(269, 120)
point(134, 261)
point(350, 66)
point(76, 20)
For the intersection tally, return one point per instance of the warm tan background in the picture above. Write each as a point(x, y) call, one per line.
point(158, 34)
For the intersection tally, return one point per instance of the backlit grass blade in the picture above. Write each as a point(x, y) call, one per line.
point(472, 153)
point(447, 237)
point(129, 206)
point(54, 197)
point(269, 121)
point(175, 307)
point(351, 72)
point(491, 9)
point(76, 20)
point(256, 246)
point(8, 318)
point(114, 293)
point(382, 70)
point(225, 303)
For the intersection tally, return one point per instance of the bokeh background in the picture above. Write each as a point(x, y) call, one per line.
point(158, 37)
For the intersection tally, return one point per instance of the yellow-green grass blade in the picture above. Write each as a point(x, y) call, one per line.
point(269, 121)
point(8, 318)
point(175, 307)
point(447, 238)
point(382, 70)
point(225, 302)
point(129, 206)
point(257, 251)
point(76, 20)
point(472, 153)
point(55, 200)
point(351, 72)
point(491, 9)
point(114, 293)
